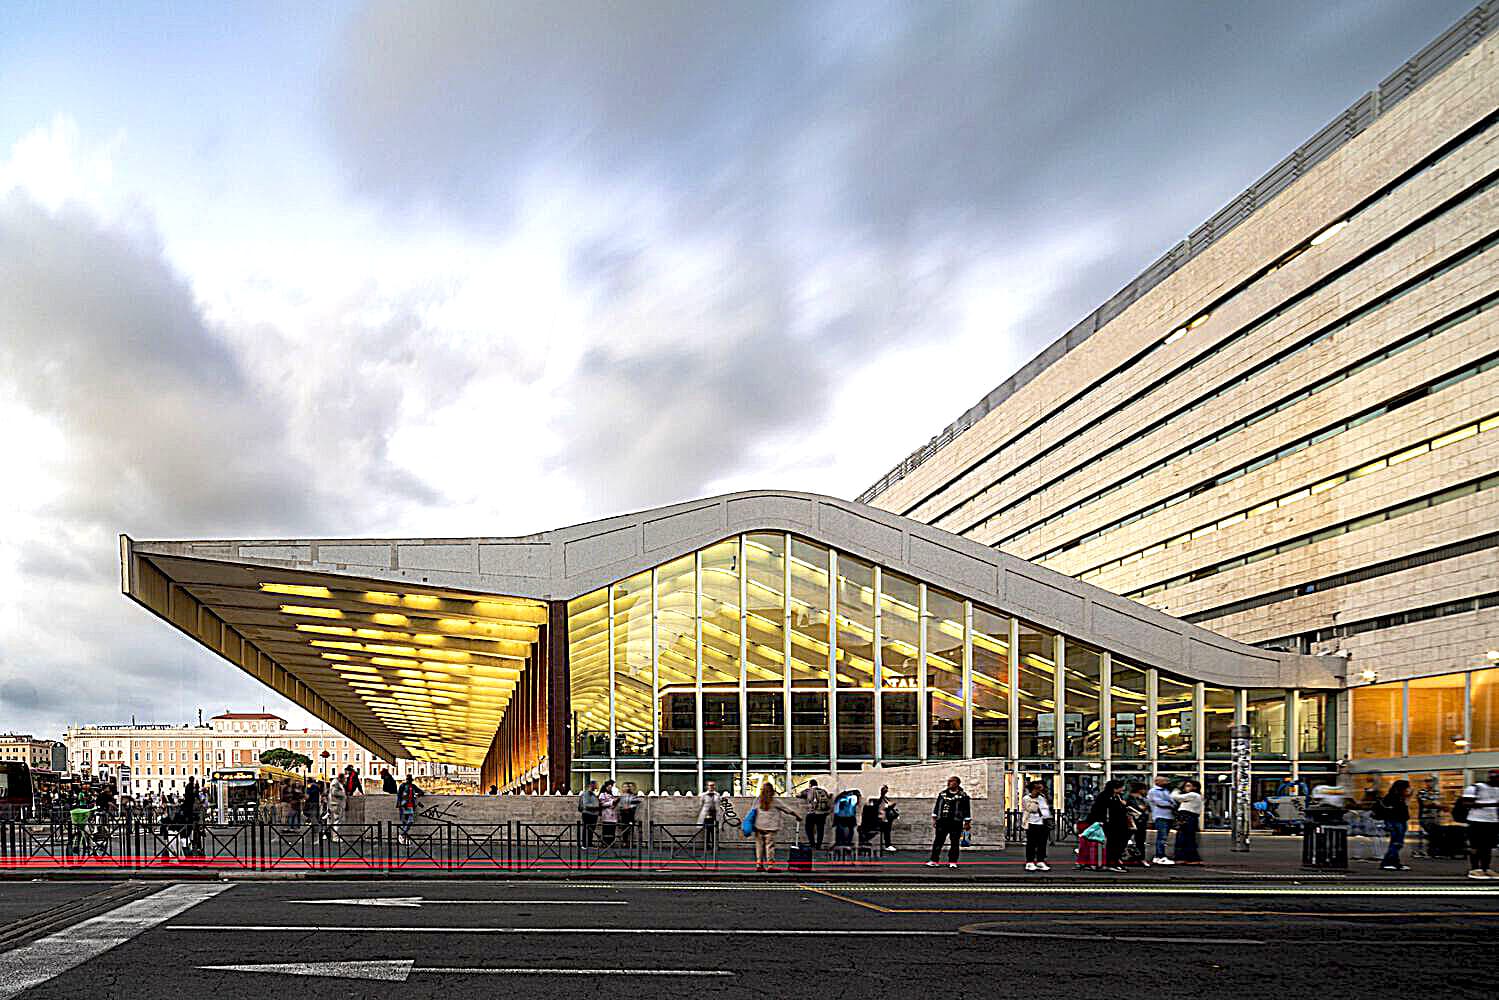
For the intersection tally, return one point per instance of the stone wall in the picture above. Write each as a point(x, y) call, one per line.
point(912, 788)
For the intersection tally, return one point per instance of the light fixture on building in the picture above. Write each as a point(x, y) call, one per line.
point(1368, 676)
point(1328, 233)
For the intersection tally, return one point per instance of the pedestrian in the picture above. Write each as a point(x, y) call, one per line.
point(1110, 811)
point(1035, 816)
point(629, 805)
point(387, 781)
point(1162, 816)
point(608, 813)
point(294, 805)
point(338, 800)
point(819, 805)
point(845, 817)
point(767, 823)
point(406, 795)
point(708, 815)
point(1394, 812)
point(494, 789)
point(887, 816)
point(1138, 804)
point(588, 810)
point(952, 815)
point(869, 821)
point(313, 804)
point(1188, 822)
point(1479, 808)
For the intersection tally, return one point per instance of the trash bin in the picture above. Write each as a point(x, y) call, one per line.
point(1324, 846)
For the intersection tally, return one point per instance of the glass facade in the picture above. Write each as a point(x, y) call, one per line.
point(1446, 715)
point(766, 656)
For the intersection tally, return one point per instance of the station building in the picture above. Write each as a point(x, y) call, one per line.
point(1287, 428)
point(753, 636)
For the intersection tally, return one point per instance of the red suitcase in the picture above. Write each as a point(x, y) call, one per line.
point(1090, 853)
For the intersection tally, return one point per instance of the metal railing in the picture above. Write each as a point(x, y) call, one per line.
point(133, 843)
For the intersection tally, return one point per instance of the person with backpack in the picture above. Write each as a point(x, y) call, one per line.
point(1479, 809)
point(819, 805)
point(406, 796)
point(845, 817)
point(588, 811)
point(952, 816)
point(1392, 810)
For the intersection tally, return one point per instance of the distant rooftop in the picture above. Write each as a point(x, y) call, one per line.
point(1456, 40)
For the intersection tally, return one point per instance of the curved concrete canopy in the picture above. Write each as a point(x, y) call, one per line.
point(567, 562)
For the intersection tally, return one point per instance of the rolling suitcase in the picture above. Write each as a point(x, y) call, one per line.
point(801, 857)
point(1090, 853)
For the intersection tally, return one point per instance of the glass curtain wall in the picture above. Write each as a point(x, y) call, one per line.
point(1036, 678)
point(990, 682)
point(768, 655)
point(945, 707)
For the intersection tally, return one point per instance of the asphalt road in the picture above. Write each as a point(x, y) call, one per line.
point(687, 938)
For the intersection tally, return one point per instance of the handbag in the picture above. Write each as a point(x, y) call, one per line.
point(1095, 833)
point(747, 827)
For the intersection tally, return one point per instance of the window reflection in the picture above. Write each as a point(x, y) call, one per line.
point(1267, 722)
point(855, 724)
point(633, 694)
point(944, 675)
point(721, 613)
point(588, 673)
point(1217, 719)
point(809, 613)
point(765, 568)
point(991, 683)
point(1084, 679)
point(1176, 718)
point(1129, 697)
point(1036, 680)
point(855, 624)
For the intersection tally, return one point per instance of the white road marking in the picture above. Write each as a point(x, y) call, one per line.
point(399, 970)
point(51, 956)
point(725, 931)
point(416, 902)
point(392, 971)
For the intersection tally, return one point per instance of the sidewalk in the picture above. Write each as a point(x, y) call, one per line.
point(1270, 859)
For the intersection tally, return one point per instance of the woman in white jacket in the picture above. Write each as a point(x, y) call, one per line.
point(1188, 822)
point(1035, 816)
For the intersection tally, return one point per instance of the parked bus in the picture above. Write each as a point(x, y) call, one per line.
point(17, 791)
point(249, 792)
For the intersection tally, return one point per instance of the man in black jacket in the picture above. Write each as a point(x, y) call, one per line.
point(951, 815)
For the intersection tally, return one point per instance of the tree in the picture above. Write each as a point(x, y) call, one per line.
point(284, 758)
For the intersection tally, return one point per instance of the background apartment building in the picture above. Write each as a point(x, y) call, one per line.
point(161, 758)
point(44, 754)
point(1287, 429)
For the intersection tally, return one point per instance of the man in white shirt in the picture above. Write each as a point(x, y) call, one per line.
point(707, 814)
point(1482, 799)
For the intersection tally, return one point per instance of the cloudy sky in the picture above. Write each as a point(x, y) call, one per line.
point(449, 268)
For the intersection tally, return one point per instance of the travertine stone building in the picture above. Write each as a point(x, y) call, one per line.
point(1287, 430)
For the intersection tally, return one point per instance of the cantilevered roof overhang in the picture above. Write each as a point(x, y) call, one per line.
point(412, 646)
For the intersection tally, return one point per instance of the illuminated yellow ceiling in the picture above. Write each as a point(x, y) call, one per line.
point(428, 674)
